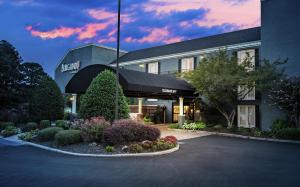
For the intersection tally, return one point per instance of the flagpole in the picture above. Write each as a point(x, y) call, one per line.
point(117, 62)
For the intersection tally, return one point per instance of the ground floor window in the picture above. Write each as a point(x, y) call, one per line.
point(188, 111)
point(246, 116)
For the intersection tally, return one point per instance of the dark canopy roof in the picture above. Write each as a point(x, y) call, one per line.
point(236, 37)
point(134, 83)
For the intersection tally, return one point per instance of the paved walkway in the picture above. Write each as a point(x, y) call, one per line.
point(180, 134)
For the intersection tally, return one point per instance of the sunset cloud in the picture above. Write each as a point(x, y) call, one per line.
point(242, 14)
point(155, 35)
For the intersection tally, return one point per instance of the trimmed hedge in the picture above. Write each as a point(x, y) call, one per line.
point(9, 131)
point(44, 124)
point(131, 131)
point(30, 126)
point(62, 124)
point(67, 137)
point(48, 134)
point(3, 125)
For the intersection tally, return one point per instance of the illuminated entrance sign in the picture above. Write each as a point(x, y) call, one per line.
point(73, 67)
point(164, 90)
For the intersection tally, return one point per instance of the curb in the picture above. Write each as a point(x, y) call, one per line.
point(256, 138)
point(239, 136)
point(104, 155)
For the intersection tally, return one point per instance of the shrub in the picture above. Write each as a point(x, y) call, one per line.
point(99, 99)
point(277, 126)
point(3, 125)
point(161, 145)
point(171, 139)
point(135, 148)
point(174, 126)
point(28, 136)
point(147, 144)
point(62, 124)
point(129, 131)
point(147, 119)
point(194, 126)
point(67, 116)
point(67, 137)
point(289, 133)
point(44, 124)
point(92, 130)
point(109, 149)
point(30, 126)
point(76, 124)
point(46, 101)
point(9, 131)
point(48, 134)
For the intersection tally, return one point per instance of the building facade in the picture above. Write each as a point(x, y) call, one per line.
point(274, 39)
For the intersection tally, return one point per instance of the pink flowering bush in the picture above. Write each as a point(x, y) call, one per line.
point(92, 129)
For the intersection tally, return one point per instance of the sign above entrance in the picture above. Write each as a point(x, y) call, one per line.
point(73, 67)
point(164, 90)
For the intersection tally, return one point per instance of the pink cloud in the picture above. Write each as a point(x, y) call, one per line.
point(85, 32)
point(155, 35)
point(61, 32)
point(90, 30)
point(102, 14)
point(243, 14)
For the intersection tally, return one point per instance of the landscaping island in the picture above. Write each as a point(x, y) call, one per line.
point(97, 136)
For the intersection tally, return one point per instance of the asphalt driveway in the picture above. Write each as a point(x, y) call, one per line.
point(204, 161)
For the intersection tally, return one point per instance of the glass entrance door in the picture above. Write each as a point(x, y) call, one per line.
point(188, 111)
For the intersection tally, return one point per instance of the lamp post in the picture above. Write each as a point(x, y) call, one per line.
point(117, 65)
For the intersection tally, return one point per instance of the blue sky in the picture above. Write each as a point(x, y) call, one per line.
point(43, 30)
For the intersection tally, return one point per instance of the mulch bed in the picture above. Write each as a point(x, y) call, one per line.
point(86, 148)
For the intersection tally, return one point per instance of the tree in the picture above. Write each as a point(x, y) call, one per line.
point(285, 94)
point(219, 76)
point(46, 101)
point(99, 99)
point(32, 74)
point(11, 92)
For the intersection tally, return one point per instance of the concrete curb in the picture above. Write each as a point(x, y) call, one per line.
point(256, 138)
point(105, 155)
point(240, 136)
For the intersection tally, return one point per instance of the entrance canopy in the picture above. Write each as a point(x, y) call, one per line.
point(134, 83)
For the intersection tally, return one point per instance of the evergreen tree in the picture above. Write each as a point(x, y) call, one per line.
point(11, 92)
point(46, 101)
point(99, 99)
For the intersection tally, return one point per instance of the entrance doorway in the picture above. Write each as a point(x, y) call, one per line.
point(188, 111)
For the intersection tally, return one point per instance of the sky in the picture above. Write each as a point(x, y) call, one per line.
point(44, 30)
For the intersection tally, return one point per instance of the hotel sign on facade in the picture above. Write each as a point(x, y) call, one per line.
point(72, 67)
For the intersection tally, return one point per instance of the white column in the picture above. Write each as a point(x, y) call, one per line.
point(181, 106)
point(181, 117)
point(74, 98)
point(140, 108)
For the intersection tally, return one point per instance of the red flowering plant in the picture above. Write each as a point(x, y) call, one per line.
point(170, 139)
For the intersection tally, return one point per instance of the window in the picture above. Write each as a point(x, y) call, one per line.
point(242, 55)
point(244, 93)
point(153, 68)
point(187, 64)
point(246, 116)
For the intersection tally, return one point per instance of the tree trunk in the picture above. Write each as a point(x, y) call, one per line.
point(229, 118)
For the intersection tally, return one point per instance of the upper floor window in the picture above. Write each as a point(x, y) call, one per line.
point(152, 68)
point(187, 64)
point(243, 55)
point(246, 94)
